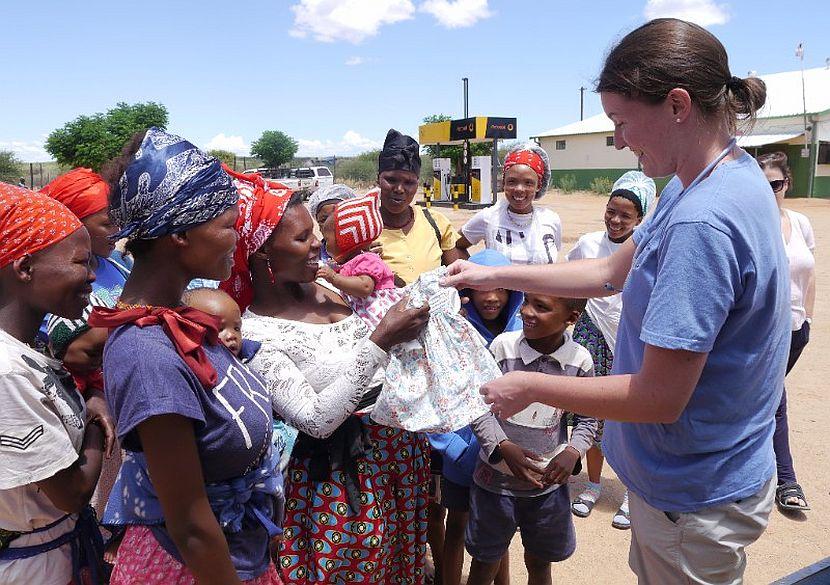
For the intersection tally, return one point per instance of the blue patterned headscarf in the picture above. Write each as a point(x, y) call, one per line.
point(169, 187)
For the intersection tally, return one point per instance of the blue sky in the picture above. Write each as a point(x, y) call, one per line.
point(336, 74)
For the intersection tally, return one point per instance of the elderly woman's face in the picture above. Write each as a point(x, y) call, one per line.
point(61, 276)
point(293, 250)
point(521, 184)
point(397, 190)
point(645, 129)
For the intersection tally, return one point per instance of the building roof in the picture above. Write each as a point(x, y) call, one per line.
point(753, 140)
point(784, 99)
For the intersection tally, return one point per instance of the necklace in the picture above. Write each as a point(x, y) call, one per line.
point(127, 306)
point(515, 218)
point(409, 220)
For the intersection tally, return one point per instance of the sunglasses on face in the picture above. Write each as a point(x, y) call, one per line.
point(777, 185)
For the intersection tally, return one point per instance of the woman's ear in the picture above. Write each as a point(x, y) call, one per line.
point(681, 104)
point(23, 268)
point(573, 317)
point(180, 240)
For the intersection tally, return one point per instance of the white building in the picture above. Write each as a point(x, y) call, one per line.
point(586, 150)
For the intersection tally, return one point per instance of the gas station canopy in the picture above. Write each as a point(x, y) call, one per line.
point(476, 129)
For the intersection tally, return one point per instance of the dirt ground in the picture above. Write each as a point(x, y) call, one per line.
point(791, 542)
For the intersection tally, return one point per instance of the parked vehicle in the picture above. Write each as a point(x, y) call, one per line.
point(303, 179)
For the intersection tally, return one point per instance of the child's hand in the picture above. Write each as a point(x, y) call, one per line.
point(560, 467)
point(521, 463)
point(326, 272)
point(376, 248)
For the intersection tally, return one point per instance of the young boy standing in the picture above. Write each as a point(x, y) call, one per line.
point(492, 313)
point(525, 461)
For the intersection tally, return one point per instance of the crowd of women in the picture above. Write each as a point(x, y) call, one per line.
point(225, 435)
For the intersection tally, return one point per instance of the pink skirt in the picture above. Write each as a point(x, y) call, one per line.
point(142, 560)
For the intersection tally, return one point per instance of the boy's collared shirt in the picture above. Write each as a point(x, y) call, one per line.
point(539, 428)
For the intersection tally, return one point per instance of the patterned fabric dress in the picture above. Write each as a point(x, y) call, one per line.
point(588, 335)
point(317, 375)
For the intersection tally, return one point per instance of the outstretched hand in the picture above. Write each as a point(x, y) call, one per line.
point(464, 274)
point(507, 395)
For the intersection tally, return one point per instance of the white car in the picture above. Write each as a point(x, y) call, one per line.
point(304, 179)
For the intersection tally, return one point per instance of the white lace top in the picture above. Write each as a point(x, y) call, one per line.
point(316, 373)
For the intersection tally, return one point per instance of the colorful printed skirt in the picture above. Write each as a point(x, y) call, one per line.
point(588, 335)
point(141, 560)
point(385, 540)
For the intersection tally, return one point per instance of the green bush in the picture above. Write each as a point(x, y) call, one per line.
point(602, 185)
point(10, 167)
point(567, 183)
point(362, 168)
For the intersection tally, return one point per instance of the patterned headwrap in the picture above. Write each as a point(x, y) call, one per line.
point(400, 153)
point(637, 188)
point(330, 193)
point(534, 156)
point(30, 222)
point(357, 222)
point(82, 190)
point(169, 187)
point(261, 207)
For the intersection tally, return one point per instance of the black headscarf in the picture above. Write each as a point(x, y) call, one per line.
point(400, 153)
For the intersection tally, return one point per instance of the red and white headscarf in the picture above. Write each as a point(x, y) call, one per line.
point(82, 190)
point(261, 207)
point(357, 223)
point(30, 222)
point(536, 158)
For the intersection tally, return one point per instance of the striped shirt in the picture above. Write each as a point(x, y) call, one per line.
point(539, 428)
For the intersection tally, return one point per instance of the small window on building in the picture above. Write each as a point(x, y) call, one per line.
point(609, 141)
point(560, 145)
point(824, 153)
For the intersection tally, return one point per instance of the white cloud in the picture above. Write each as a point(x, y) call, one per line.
point(27, 151)
point(702, 12)
point(235, 144)
point(352, 61)
point(350, 144)
point(347, 20)
point(457, 13)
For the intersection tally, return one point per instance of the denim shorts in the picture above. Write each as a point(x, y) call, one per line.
point(545, 523)
point(454, 496)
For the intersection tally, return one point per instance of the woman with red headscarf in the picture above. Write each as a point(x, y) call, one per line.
point(51, 441)
point(356, 490)
point(525, 233)
point(80, 347)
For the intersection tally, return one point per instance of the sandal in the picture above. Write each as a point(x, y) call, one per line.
point(787, 491)
point(582, 501)
point(622, 519)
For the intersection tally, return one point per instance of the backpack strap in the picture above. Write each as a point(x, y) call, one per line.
point(434, 225)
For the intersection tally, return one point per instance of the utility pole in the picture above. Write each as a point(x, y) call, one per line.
point(806, 152)
point(466, 154)
point(582, 102)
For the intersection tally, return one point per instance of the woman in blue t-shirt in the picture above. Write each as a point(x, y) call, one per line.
point(701, 347)
point(188, 414)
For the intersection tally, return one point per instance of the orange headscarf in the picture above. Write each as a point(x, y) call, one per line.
point(30, 222)
point(82, 190)
point(261, 207)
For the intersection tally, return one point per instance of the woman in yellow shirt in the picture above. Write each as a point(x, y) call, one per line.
point(414, 239)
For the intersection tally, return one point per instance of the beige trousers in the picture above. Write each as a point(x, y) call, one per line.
point(706, 546)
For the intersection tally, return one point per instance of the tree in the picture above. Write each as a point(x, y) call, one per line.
point(225, 156)
point(274, 148)
point(90, 141)
point(10, 168)
point(455, 153)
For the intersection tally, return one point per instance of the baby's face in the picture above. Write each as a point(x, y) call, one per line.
point(220, 305)
point(230, 331)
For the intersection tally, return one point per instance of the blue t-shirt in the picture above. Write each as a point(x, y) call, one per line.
point(145, 377)
point(709, 275)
